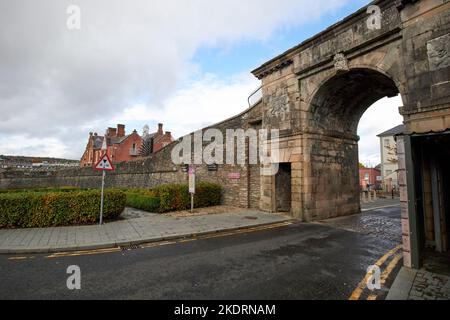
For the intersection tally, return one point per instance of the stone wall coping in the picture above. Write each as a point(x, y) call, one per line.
point(320, 37)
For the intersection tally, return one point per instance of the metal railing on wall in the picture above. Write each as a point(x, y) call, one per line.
point(255, 97)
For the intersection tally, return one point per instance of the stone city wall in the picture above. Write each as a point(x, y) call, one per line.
point(241, 183)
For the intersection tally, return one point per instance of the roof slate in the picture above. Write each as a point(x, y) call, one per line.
point(392, 132)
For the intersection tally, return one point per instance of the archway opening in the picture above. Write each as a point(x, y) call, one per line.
point(377, 146)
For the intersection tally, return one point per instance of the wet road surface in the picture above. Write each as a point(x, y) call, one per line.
point(300, 261)
point(383, 223)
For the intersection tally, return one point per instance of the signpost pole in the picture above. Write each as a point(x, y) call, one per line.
point(101, 201)
point(104, 164)
point(192, 185)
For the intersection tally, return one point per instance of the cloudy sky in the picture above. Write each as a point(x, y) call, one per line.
point(184, 63)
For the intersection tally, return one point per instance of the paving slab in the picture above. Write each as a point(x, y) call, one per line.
point(420, 284)
point(139, 229)
point(401, 288)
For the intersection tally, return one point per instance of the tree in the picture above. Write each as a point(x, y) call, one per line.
point(392, 153)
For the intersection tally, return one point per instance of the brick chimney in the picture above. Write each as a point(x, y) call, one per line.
point(160, 129)
point(120, 130)
point(111, 132)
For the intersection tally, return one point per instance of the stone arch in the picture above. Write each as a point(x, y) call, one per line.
point(340, 100)
point(331, 142)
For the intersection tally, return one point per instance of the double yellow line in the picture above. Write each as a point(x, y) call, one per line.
point(384, 276)
point(170, 242)
point(82, 253)
point(20, 258)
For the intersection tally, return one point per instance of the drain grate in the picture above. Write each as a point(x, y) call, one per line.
point(130, 247)
point(251, 218)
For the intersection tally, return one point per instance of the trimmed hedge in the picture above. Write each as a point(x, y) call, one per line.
point(46, 209)
point(174, 197)
point(62, 189)
point(209, 194)
point(142, 201)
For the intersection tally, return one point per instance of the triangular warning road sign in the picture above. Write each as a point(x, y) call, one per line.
point(104, 164)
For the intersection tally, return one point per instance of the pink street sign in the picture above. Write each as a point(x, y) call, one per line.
point(234, 175)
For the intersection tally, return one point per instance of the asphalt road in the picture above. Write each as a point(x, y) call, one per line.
point(299, 261)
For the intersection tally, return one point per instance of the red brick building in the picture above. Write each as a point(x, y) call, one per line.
point(156, 140)
point(122, 147)
point(369, 177)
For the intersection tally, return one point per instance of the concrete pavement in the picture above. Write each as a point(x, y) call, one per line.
point(402, 284)
point(421, 284)
point(144, 228)
point(431, 282)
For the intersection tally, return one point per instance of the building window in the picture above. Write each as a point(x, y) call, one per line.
point(133, 150)
point(366, 176)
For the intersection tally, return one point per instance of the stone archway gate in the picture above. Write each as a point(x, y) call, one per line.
point(316, 92)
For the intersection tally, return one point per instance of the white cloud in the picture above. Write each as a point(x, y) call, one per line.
point(54, 82)
point(38, 147)
point(201, 103)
